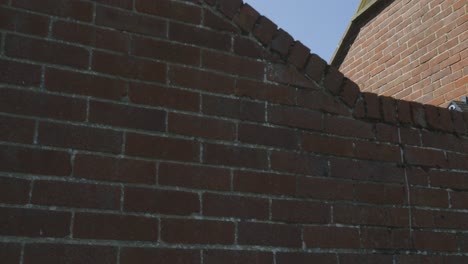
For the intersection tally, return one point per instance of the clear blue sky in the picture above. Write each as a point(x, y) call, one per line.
point(318, 24)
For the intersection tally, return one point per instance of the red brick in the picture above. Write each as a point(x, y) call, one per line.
point(235, 65)
point(382, 152)
point(454, 180)
point(117, 3)
point(380, 193)
point(55, 253)
point(165, 51)
point(235, 206)
point(459, 200)
point(115, 227)
point(372, 105)
point(264, 183)
point(299, 163)
point(282, 42)
point(320, 100)
point(157, 95)
point(17, 21)
point(458, 123)
point(10, 253)
point(387, 133)
point(127, 116)
point(91, 36)
point(171, 10)
point(365, 258)
point(333, 80)
point(16, 129)
point(418, 114)
point(129, 67)
point(305, 258)
point(425, 157)
point(371, 215)
point(84, 84)
point(196, 177)
point(366, 170)
point(405, 113)
point(189, 231)
point(457, 161)
point(247, 47)
point(198, 36)
point(389, 109)
point(327, 145)
point(77, 195)
point(19, 73)
point(230, 7)
point(247, 17)
point(46, 51)
point(426, 240)
point(442, 141)
point(300, 211)
point(130, 21)
point(216, 21)
point(450, 220)
point(80, 137)
point(233, 108)
point(315, 68)
point(34, 223)
point(299, 55)
point(234, 257)
point(167, 148)
point(289, 75)
point(348, 127)
point(162, 255)
point(14, 191)
point(294, 117)
point(429, 197)
point(235, 156)
point(114, 169)
point(433, 259)
point(200, 126)
point(264, 30)
point(201, 80)
point(79, 10)
point(331, 237)
point(270, 136)
point(410, 136)
point(160, 201)
point(35, 161)
point(277, 235)
point(387, 238)
point(266, 92)
point(321, 188)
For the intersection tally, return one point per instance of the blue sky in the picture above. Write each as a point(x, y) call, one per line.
point(318, 24)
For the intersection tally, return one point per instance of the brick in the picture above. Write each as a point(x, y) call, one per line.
point(348, 127)
point(426, 240)
point(172, 10)
point(264, 30)
point(157, 95)
point(114, 169)
point(46, 51)
point(299, 55)
point(200, 126)
point(282, 42)
point(458, 123)
point(289, 75)
point(372, 105)
point(380, 193)
point(294, 117)
point(127, 116)
point(79, 10)
point(331, 237)
point(315, 143)
point(189, 231)
point(55, 253)
point(34, 223)
point(17, 21)
point(264, 183)
point(234, 156)
point(413, 259)
point(387, 133)
point(425, 157)
point(382, 152)
point(229, 7)
point(457, 161)
point(277, 235)
point(304, 258)
point(19, 73)
point(365, 258)
point(165, 51)
point(216, 21)
point(168, 148)
point(35, 161)
point(115, 227)
point(14, 129)
point(125, 4)
point(410, 136)
point(233, 108)
point(199, 36)
point(14, 191)
point(454, 180)
point(130, 22)
point(31, 103)
point(333, 80)
point(235, 206)
point(10, 253)
point(300, 211)
point(418, 115)
point(235, 65)
point(77, 195)
point(247, 47)
point(79, 137)
point(270, 136)
point(459, 200)
point(266, 92)
point(201, 80)
point(371, 215)
point(405, 113)
point(385, 238)
point(233, 257)
point(315, 68)
point(163, 255)
point(366, 170)
point(389, 111)
point(129, 67)
point(321, 188)
point(84, 84)
point(195, 177)
point(299, 163)
point(91, 36)
point(247, 17)
point(170, 202)
point(450, 220)
point(319, 100)
point(441, 141)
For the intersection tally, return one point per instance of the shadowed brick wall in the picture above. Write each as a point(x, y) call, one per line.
point(412, 50)
point(188, 132)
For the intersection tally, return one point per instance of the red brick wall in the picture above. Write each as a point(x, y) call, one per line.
point(163, 132)
point(413, 50)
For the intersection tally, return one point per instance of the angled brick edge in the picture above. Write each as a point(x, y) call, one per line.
point(364, 105)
